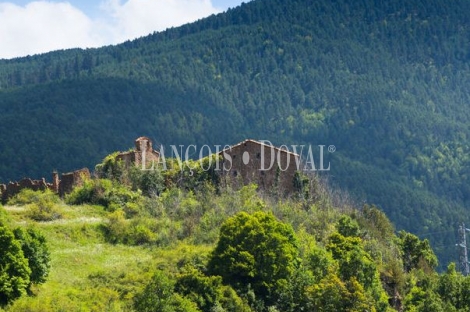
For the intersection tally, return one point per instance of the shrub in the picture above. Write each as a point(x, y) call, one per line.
point(40, 205)
point(28, 196)
point(141, 231)
point(102, 192)
point(111, 168)
point(43, 211)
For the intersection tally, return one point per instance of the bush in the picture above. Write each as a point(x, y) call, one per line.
point(40, 205)
point(111, 168)
point(28, 196)
point(103, 192)
point(43, 211)
point(141, 231)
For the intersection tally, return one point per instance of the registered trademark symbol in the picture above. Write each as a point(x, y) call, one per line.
point(331, 148)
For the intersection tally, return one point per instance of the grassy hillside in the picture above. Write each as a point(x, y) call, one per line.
point(139, 253)
point(385, 82)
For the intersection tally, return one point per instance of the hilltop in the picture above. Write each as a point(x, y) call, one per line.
point(168, 240)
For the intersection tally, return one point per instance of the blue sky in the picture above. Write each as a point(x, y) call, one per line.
point(30, 27)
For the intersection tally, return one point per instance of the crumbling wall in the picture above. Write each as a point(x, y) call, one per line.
point(62, 187)
point(265, 165)
point(143, 151)
point(73, 179)
point(127, 158)
point(13, 188)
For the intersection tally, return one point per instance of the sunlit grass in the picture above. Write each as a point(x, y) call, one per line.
point(89, 274)
point(85, 271)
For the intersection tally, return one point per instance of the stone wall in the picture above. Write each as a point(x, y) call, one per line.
point(11, 189)
point(265, 165)
point(143, 152)
point(62, 187)
point(73, 179)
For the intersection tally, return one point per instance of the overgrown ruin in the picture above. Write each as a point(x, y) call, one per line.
point(60, 186)
point(143, 156)
point(268, 166)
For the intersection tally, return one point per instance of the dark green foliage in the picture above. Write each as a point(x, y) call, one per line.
point(357, 270)
point(416, 253)
point(354, 261)
point(320, 263)
point(24, 259)
point(14, 270)
point(208, 292)
point(192, 175)
point(256, 250)
point(35, 250)
point(347, 227)
point(377, 223)
point(151, 182)
point(446, 292)
point(203, 290)
point(159, 296)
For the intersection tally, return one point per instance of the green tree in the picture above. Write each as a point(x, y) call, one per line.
point(36, 252)
point(347, 227)
point(208, 292)
point(159, 296)
point(358, 270)
point(256, 250)
point(14, 269)
point(416, 253)
point(328, 295)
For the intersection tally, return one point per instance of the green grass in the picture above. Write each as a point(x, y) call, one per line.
point(88, 274)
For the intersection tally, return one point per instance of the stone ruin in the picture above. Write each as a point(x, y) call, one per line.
point(246, 163)
point(60, 186)
point(142, 156)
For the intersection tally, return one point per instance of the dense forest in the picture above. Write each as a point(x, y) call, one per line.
point(385, 82)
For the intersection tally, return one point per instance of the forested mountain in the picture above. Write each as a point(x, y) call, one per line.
point(386, 82)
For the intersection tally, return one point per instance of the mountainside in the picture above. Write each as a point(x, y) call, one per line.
point(386, 82)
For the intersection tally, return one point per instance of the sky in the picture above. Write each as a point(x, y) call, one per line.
point(31, 27)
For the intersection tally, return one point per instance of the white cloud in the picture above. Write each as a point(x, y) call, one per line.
point(136, 18)
point(43, 26)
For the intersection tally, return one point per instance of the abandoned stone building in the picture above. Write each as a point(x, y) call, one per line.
point(61, 186)
point(255, 162)
point(143, 156)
